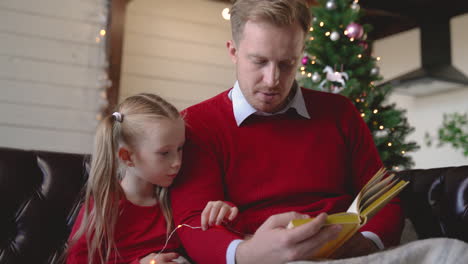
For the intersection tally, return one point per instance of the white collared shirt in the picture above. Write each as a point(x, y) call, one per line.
point(242, 109)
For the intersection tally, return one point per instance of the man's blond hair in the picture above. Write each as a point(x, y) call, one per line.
point(277, 12)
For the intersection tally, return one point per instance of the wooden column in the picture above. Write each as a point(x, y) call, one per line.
point(114, 49)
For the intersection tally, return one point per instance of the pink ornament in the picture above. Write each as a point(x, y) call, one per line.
point(363, 44)
point(305, 60)
point(354, 30)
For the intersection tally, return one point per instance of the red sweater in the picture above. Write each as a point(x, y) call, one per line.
point(274, 164)
point(140, 230)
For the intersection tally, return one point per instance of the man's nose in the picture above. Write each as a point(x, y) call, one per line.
point(271, 75)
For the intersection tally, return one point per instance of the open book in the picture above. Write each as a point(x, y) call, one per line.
point(373, 196)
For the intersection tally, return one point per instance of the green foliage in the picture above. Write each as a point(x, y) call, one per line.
point(388, 124)
point(453, 131)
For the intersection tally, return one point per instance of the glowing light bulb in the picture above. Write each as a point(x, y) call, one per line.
point(376, 111)
point(311, 38)
point(381, 127)
point(321, 24)
point(311, 29)
point(327, 34)
point(225, 14)
point(359, 55)
point(378, 58)
point(389, 144)
point(102, 32)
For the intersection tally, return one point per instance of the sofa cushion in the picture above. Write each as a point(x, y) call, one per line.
point(39, 196)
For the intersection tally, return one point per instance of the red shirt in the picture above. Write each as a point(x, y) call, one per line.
point(140, 230)
point(274, 164)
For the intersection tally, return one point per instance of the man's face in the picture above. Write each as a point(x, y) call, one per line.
point(266, 59)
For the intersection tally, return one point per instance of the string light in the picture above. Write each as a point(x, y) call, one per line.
point(376, 111)
point(363, 115)
point(327, 33)
point(311, 38)
point(302, 68)
point(309, 75)
point(403, 152)
point(389, 144)
point(346, 32)
point(351, 39)
point(321, 24)
point(378, 58)
point(311, 29)
point(312, 62)
point(381, 127)
point(359, 55)
point(102, 32)
point(303, 72)
point(153, 261)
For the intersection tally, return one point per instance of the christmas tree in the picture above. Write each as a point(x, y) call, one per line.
point(337, 59)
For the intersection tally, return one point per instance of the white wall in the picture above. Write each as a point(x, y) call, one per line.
point(176, 49)
point(49, 66)
point(400, 54)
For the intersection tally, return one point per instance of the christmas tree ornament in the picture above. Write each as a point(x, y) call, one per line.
point(363, 44)
point(316, 77)
point(355, 7)
point(354, 30)
point(330, 5)
point(375, 71)
point(334, 36)
point(305, 60)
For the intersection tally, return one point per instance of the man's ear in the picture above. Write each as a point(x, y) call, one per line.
point(232, 50)
point(125, 155)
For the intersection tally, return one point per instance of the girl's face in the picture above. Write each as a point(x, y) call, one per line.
point(158, 155)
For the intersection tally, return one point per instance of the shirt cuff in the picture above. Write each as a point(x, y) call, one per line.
point(375, 238)
point(231, 251)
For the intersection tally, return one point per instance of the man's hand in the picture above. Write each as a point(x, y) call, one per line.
point(273, 243)
point(357, 245)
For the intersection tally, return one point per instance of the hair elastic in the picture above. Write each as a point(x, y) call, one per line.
point(118, 117)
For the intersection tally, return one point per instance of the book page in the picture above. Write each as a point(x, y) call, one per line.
point(384, 199)
point(376, 188)
point(380, 191)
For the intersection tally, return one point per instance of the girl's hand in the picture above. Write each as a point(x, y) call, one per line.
point(163, 258)
point(215, 212)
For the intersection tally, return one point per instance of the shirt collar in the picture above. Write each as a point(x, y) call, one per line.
point(242, 109)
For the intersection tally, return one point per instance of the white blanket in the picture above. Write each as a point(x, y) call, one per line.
point(426, 251)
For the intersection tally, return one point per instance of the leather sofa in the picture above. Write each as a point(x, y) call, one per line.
point(40, 193)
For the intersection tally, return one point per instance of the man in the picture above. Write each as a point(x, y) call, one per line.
point(273, 149)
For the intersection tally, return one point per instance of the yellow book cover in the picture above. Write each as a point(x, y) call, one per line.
point(378, 191)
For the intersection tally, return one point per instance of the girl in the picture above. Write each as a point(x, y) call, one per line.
point(126, 215)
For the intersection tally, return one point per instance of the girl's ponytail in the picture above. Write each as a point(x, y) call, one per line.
point(103, 192)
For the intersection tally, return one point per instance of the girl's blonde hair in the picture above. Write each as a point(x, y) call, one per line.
point(103, 190)
point(276, 12)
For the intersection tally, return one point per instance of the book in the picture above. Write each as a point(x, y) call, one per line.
point(378, 191)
